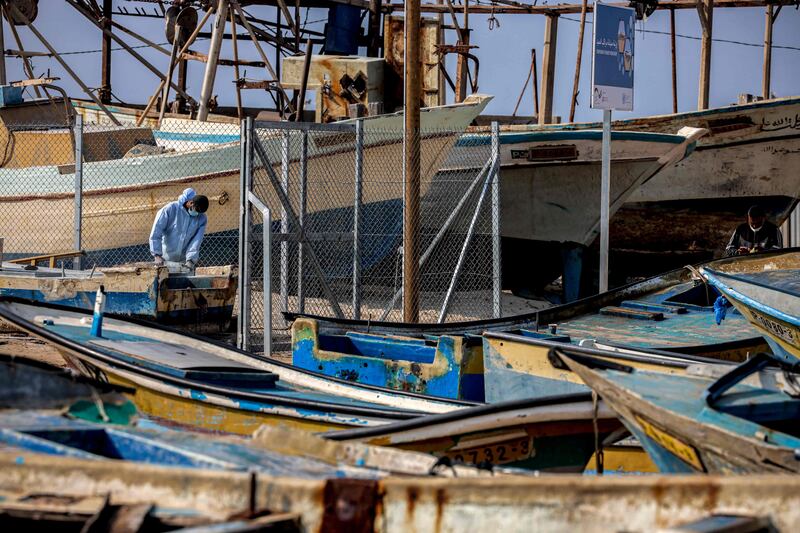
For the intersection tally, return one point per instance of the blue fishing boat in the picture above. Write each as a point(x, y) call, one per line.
point(183, 379)
point(201, 301)
point(700, 424)
point(444, 366)
point(766, 290)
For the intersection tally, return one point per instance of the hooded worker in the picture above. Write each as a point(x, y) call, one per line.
point(178, 230)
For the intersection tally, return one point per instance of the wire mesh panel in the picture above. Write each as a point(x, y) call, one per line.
point(336, 202)
point(131, 172)
point(37, 184)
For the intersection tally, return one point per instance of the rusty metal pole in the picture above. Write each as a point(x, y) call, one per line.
point(765, 85)
point(674, 61)
point(548, 68)
point(235, 47)
point(706, 11)
point(411, 160)
point(577, 79)
point(535, 86)
point(105, 83)
point(217, 34)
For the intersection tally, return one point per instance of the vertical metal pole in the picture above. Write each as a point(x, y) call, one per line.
point(765, 85)
point(674, 60)
point(548, 68)
point(217, 34)
point(301, 296)
point(605, 196)
point(411, 163)
point(78, 214)
point(497, 309)
point(358, 188)
point(245, 180)
point(285, 224)
point(266, 217)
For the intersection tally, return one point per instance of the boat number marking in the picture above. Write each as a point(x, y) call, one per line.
point(776, 328)
point(676, 447)
point(496, 454)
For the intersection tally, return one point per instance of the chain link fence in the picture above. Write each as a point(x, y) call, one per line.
point(335, 200)
point(335, 195)
point(105, 205)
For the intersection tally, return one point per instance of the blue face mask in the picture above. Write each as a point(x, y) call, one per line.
point(193, 213)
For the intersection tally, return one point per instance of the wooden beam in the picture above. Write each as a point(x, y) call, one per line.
point(104, 92)
point(548, 69)
point(565, 9)
point(374, 29)
point(577, 79)
point(705, 10)
point(767, 74)
point(674, 61)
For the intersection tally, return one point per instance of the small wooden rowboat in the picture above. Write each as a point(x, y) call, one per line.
point(552, 434)
point(696, 424)
point(182, 379)
point(766, 290)
point(444, 366)
point(200, 302)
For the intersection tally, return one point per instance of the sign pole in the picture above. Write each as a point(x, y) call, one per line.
point(605, 199)
point(612, 88)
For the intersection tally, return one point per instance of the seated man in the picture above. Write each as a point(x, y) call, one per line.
point(757, 235)
point(178, 230)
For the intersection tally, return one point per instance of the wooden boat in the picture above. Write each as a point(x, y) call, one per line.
point(199, 302)
point(122, 196)
point(185, 380)
point(686, 213)
point(672, 312)
point(550, 187)
point(446, 367)
point(551, 434)
point(693, 424)
point(766, 290)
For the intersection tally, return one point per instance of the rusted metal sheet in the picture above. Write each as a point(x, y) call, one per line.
point(394, 52)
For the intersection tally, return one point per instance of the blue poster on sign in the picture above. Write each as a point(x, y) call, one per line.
point(612, 57)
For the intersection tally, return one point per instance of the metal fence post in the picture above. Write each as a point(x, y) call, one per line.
point(78, 214)
point(301, 296)
point(359, 183)
point(497, 309)
point(285, 225)
point(245, 179)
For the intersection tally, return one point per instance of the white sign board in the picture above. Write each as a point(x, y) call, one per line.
point(612, 57)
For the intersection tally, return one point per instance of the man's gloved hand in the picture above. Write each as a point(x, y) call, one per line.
point(158, 260)
point(189, 264)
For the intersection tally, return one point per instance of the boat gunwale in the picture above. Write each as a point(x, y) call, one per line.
point(461, 414)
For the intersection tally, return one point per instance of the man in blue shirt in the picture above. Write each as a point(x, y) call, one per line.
point(178, 230)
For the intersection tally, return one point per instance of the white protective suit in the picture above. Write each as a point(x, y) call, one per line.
point(176, 235)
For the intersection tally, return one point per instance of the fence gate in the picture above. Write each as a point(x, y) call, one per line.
point(322, 217)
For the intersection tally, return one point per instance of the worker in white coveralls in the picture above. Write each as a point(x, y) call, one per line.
point(178, 230)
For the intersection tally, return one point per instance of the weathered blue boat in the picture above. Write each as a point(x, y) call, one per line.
point(766, 290)
point(202, 301)
point(696, 424)
point(444, 366)
point(550, 434)
point(183, 379)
